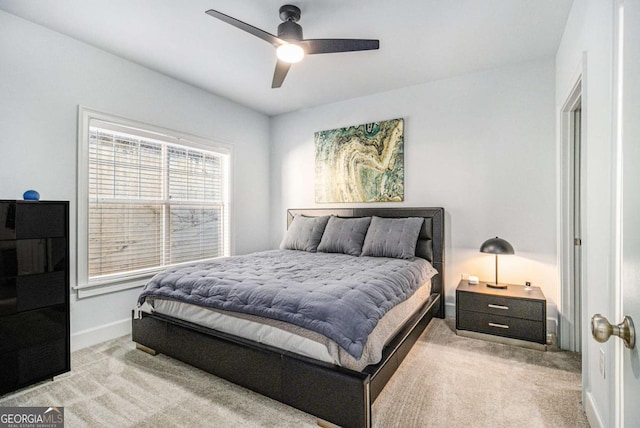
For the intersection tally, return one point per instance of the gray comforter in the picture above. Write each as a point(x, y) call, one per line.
point(339, 296)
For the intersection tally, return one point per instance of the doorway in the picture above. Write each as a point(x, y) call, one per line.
point(570, 320)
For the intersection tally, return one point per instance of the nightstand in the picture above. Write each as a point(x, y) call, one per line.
point(514, 315)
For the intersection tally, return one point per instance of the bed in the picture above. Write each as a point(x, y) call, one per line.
point(332, 392)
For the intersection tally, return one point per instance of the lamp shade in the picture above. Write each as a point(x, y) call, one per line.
point(496, 246)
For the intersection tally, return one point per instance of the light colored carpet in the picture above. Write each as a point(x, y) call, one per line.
point(445, 381)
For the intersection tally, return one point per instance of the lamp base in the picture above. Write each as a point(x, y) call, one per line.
point(500, 286)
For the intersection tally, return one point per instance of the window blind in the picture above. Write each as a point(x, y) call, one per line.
point(153, 201)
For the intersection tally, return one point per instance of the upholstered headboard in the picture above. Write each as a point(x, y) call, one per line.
point(430, 244)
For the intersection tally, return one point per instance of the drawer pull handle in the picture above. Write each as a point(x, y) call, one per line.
point(492, 324)
point(506, 308)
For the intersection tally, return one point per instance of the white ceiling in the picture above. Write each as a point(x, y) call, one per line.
point(420, 41)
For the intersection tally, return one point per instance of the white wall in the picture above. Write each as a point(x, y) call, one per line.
point(482, 146)
point(590, 29)
point(44, 76)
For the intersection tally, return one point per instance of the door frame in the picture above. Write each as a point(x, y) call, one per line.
point(617, 216)
point(572, 306)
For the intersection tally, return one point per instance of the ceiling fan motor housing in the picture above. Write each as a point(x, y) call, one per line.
point(289, 30)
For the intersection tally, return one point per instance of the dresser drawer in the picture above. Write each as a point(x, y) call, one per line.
point(24, 293)
point(502, 306)
point(515, 328)
point(27, 365)
point(41, 220)
point(29, 220)
point(33, 256)
point(43, 360)
point(39, 291)
point(32, 328)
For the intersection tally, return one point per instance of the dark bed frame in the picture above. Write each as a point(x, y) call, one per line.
point(335, 394)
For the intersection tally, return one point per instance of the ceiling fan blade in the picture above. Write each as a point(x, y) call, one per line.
point(246, 27)
point(320, 46)
point(282, 68)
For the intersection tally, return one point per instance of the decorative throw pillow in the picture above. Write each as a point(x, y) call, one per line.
point(392, 237)
point(304, 233)
point(344, 235)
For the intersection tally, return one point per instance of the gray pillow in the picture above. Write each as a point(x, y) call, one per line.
point(392, 237)
point(304, 233)
point(344, 235)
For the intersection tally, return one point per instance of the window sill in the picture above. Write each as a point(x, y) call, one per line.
point(122, 282)
point(99, 289)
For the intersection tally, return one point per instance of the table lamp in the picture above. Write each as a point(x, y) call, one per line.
point(496, 246)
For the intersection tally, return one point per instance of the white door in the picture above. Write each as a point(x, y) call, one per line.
point(630, 231)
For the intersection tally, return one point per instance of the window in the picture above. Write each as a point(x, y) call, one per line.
point(148, 199)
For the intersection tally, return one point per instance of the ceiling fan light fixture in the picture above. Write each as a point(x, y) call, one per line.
point(290, 44)
point(290, 53)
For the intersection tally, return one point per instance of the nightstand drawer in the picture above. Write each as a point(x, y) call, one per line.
point(502, 306)
point(515, 328)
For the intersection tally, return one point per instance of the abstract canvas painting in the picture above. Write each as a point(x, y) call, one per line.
point(363, 163)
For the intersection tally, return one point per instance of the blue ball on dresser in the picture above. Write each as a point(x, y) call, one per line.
point(31, 195)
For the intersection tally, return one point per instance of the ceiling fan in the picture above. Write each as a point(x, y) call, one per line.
point(289, 44)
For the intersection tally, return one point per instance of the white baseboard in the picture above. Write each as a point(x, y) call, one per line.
point(450, 310)
point(552, 326)
point(593, 416)
point(93, 336)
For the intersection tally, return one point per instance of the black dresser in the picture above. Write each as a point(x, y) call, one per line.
point(34, 292)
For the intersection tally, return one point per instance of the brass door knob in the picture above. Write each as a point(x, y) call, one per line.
point(602, 330)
